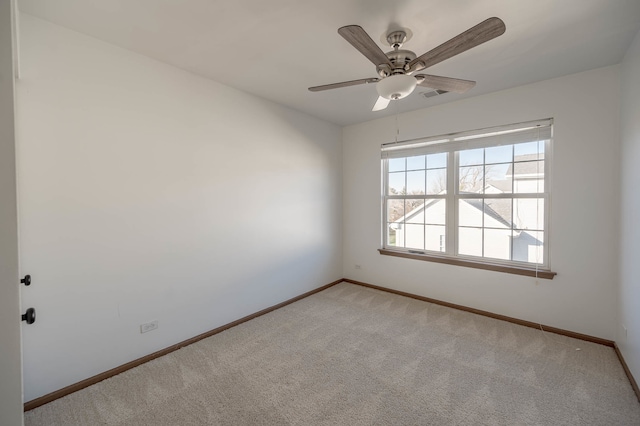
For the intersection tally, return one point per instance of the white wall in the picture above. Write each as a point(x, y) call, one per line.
point(584, 204)
point(629, 293)
point(148, 193)
point(10, 358)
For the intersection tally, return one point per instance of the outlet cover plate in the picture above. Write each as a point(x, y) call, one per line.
point(148, 326)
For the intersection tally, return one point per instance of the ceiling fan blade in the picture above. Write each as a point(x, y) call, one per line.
point(481, 33)
point(343, 84)
point(381, 104)
point(359, 39)
point(448, 84)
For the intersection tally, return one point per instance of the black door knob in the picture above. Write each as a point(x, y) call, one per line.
point(29, 316)
point(26, 280)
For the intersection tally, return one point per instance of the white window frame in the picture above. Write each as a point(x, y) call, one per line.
point(452, 144)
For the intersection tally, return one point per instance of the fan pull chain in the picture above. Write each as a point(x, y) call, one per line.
point(397, 127)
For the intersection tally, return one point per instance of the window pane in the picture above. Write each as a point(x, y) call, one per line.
point(532, 151)
point(416, 163)
point(414, 236)
point(395, 210)
point(415, 211)
point(435, 238)
point(498, 179)
point(471, 157)
point(499, 154)
point(528, 177)
point(470, 241)
point(416, 182)
point(471, 179)
point(395, 235)
point(437, 181)
point(528, 213)
point(497, 243)
point(497, 213)
point(396, 164)
point(528, 246)
point(396, 183)
point(436, 212)
point(470, 212)
point(437, 161)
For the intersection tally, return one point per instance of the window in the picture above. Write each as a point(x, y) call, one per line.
point(480, 196)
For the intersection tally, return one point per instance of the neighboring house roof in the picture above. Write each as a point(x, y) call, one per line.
point(527, 165)
point(502, 217)
point(529, 157)
point(417, 210)
point(500, 185)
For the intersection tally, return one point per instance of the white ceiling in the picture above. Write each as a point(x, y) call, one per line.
point(276, 49)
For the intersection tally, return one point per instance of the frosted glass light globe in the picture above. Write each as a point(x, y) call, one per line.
point(396, 86)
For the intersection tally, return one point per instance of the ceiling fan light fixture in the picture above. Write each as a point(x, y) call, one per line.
point(396, 86)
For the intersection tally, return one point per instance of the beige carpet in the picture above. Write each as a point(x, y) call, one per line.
point(356, 356)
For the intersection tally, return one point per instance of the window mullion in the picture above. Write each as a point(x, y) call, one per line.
point(511, 230)
point(451, 228)
point(545, 247)
point(384, 200)
point(548, 158)
point(484, 175)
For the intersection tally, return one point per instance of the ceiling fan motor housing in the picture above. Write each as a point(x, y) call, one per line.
point(398, 59)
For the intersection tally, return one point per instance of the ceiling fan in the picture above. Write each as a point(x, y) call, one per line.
point(397, 68)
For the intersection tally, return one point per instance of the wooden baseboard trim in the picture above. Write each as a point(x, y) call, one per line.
point(550, 329)
point(30, 405)
point(634, 384)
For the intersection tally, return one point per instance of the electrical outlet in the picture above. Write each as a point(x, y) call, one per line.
point(358, 266)
point(148, 326)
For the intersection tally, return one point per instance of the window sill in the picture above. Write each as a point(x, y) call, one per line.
point(469, 264)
